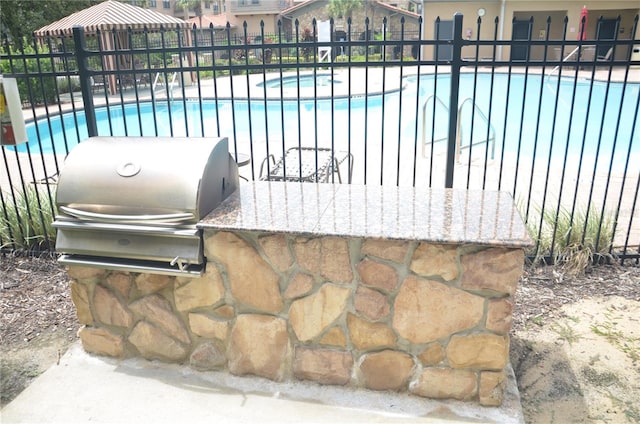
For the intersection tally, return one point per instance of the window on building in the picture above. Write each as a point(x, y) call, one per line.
point(153, 3)
point(207, 5)
point(166, 4)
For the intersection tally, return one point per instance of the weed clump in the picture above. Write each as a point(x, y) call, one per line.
point(573, 239)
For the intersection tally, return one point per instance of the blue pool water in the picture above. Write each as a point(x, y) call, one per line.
point(528, 126)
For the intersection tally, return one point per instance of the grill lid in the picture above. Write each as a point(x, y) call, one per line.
point(144, 179)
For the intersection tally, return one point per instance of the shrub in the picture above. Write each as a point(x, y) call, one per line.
point(27, 223)
point(43, 89)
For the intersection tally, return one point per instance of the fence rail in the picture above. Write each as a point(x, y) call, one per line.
point(550, 121)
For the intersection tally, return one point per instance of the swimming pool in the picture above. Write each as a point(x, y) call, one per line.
point(521, 114)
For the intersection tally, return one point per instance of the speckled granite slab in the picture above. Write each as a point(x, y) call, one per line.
point(401, 213)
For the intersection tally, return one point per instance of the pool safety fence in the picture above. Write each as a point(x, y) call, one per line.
point(548, 118)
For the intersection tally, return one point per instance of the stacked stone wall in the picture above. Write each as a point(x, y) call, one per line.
point(430, 319)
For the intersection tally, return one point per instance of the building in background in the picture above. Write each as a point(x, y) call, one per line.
point(253, 12)
point(527, 20)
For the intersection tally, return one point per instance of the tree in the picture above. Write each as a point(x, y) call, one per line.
point(343, 8)
point(19, 18)
point(196, 5)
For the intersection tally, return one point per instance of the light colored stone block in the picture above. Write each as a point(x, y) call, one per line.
point(446, 383)
point(308, 253)
point(300, 285)
point(157, 310)
point(367, 335)
point(387, 370)
point(208, 356)
point(495, 269)
point(311, 315)
point(151, 283)
point(328, 257)
point(208, 327)
point(425, 311)
point(277, 250)
point(378, 275)
point(334, 337)
point(500, 315)
point(486, 351)
point(336, 260)
point(199, 292)
point(492, 385)
point(152, 343)
point(120, 282)
point(251, 280)
point(433, 354)
point(371, 304)
point(431, 260)
point(323, 365)
point(80, 297)
point(101, 342)
point(391, 250)
point(259, 345)
point(109, 310)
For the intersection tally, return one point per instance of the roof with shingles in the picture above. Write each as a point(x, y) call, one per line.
point(218, 21)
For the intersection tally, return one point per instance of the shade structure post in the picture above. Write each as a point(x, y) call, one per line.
point(85, 80)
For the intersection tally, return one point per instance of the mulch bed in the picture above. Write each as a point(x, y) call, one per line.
point(543, 290)
point(34, 299)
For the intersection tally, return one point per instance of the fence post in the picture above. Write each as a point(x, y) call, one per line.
point(456, 64)
point(85, 80)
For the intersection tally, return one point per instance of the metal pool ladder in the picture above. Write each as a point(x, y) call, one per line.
point(171, 84)
point(489, 139)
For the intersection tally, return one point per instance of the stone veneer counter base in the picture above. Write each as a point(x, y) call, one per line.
point(385, 288)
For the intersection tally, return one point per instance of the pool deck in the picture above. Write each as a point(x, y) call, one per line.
point(361, 83)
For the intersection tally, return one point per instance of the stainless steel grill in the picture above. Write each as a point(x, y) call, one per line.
point(132, 203)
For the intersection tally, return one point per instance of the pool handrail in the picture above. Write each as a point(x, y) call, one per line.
point(459, 146)
point(483, 117)
point(424, 121)
point(171, 85)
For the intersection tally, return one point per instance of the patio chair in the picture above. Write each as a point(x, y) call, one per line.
point(98, 82)
point(48, 180)
point(607, 57)
point(307, 164)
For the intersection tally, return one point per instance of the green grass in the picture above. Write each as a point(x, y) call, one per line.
point(574, 242)
point(630, 346)
point(27, 223)
point(566, 333)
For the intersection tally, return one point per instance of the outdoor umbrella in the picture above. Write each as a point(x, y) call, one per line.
point(584, 14)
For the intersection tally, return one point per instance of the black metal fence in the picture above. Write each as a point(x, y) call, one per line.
point(552, 121)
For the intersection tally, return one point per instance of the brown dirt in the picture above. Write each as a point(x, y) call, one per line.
point(575, 342)
point(575, 345)
point(37, 320)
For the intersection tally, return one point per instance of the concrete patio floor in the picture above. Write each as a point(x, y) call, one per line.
point(86, 388)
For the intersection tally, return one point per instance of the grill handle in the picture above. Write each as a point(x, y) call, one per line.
point(170, 217)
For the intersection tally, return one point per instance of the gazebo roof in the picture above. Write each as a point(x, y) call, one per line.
point(110, 15)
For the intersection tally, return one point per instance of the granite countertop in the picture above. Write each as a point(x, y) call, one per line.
point(381, 212)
